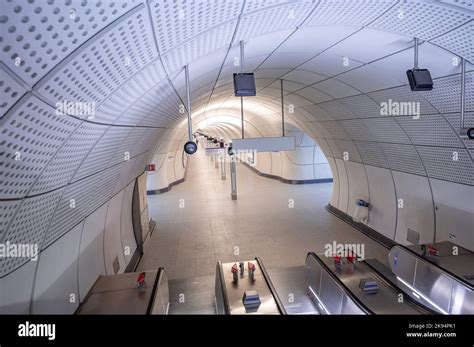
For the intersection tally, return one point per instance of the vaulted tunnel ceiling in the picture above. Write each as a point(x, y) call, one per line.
point(339, 60)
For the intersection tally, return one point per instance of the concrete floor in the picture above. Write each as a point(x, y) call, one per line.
point(189, 240)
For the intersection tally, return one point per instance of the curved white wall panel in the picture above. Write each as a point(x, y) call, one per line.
point(113, 248)
point(383, 202)
point(414, 194)
point(56, 288)
point(91, 252)
point(127, 234)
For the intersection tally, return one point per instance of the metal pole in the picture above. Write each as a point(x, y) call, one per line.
point(223, 166)
point(233, 177)
point(282, 111)
point(416, 54)
point(242, 63)
point(216, 160)
point(242, 114)
point(463, 91)
point(188, 95)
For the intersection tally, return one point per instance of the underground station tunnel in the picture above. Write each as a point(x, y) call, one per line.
point(236, 157)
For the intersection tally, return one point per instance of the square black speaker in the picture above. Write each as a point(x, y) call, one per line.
point(244, 84)
point(420, 79)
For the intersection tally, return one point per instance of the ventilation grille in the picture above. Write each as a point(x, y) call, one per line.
point(403, 158)
point(29, 226)
point(30, 137)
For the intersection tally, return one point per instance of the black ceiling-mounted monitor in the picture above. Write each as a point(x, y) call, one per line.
point(420, 80)
point(244, 84)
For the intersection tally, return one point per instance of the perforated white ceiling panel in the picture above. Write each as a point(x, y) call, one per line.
point(94, 72)
point(31, 134)
point(37, 35)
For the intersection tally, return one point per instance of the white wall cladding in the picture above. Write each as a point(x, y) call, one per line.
point(126, 55)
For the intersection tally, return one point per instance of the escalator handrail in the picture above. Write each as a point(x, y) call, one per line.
point(151, 304)
point(223, 287)
point(341, 284)
point(447, 272)
point(280, 305)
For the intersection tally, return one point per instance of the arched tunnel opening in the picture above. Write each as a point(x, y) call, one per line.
point(344, 175)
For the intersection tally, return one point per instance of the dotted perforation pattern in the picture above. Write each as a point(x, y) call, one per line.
point(76, 203)
point(335, 129)
point(316, 112)
point(205, 43)
point(455, 120)
point(107, 62)
point(130, 147)
point(7, 211)
point(103, 151)
point(403, 99)
point(178, 21)
point(10, 91)
point(31, 134)
point(362, 106)
point(403, 158)
point(371, 154)
point(60, 170)
point(459, 41)
point(357, 130)
point(29, 226)
point(37, 35)
point(337, 110)
point(132, 91)
point(282, 17)
point(446, 93)
point(450, 164)
point(421, 19)
point(348, 12)
point(386, 130)
point(431, 130)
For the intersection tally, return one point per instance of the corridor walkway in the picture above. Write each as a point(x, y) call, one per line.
point(210, 226)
